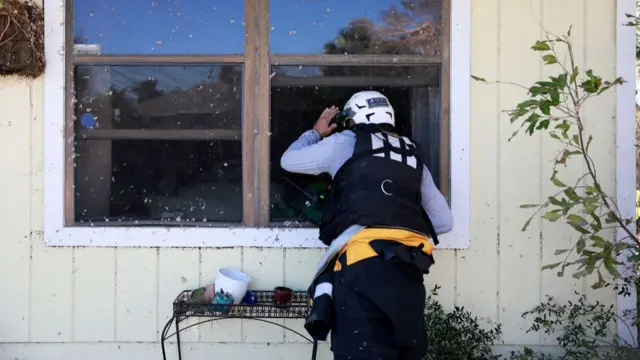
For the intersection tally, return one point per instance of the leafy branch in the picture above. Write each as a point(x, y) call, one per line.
point(555, 106)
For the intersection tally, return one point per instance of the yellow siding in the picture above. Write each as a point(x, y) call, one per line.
point(94, 303)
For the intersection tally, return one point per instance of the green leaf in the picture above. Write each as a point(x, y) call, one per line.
point(610, 264)
point(541, 46)
point(552, 216)
point(580, 229)
point(600, 283)
point(555, 98)
point(479, 79)
point(571, 194)
point(528, 206)
point(556, 202)
point(591, 190)
point(550, 59)
point(611, 218)
point(543, 124)
point(557, 182)
point(598, 241)
point(574, 74)
point(540, 90)
point(527, 104)
point(580, 274)
point(545, 108)
point(551, 266)
point(560, 251)
point(576, 139)
point(574, 219)
point(596, 225)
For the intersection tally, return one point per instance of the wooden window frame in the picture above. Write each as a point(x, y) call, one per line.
point(257, 62)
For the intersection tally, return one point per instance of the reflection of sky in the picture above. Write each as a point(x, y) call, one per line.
point(208, 27)
point(213, 26)
point(304, 26)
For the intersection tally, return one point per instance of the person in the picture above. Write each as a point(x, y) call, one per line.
point(381, 211)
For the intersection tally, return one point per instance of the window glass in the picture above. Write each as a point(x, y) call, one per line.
point(408, 27)
point(159, 97)
point(413, 92)
point(158, 144)
point(162, 182)
point(158, 27)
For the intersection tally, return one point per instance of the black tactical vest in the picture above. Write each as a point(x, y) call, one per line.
point(379, 186)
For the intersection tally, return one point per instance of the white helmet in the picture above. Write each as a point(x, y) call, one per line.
point(370, 107)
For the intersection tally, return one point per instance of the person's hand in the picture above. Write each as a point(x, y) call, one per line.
point(322, 126)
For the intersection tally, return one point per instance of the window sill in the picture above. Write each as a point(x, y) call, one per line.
point(198, 237)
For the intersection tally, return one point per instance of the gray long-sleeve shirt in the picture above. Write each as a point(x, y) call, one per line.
point(312, 155)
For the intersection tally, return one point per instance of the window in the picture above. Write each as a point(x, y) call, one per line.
point(177, 113)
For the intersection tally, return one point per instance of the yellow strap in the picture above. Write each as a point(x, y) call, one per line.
point(358, 248)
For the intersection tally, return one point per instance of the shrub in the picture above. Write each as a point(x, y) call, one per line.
point(457, 335)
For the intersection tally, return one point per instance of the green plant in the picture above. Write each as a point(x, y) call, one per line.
point(582, 329)
point(555, 107)
point(457, 335)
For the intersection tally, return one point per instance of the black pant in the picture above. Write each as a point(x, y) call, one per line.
point(379, 311)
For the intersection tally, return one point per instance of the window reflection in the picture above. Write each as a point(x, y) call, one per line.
point(158, 182)
point(159, 97)
point(174, 176)
point(392, 27)
point(159, 26)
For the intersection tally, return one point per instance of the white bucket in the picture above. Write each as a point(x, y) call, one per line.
point(233, 282)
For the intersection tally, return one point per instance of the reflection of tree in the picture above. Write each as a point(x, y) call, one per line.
point(416, 26)
point(230, 75)
point(80, 38)
point(147, 90)
point(357, 38)
point(413, 28)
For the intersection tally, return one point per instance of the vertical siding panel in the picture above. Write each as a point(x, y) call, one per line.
point(600, 112)
point(477, 281)
point(15, 127)
point(136, 294)
point(15, 192)
point(519, 170)
point(443, 273)
point(266, 268)
point(212, 260)
point(178, 269)
point(558, 16)
point(94, 286)
point(51, 294)
point(299, 268)
point(36, 216)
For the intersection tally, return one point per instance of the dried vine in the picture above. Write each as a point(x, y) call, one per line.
point(21, 38)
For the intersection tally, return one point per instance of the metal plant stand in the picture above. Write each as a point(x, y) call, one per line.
point(264, 309)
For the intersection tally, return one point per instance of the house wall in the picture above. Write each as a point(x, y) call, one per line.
point(105, 303)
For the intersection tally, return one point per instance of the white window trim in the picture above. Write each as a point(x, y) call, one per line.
point(56, 234)
point(626, 146)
